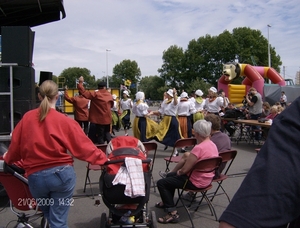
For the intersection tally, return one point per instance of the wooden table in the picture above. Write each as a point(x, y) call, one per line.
point(253, 122)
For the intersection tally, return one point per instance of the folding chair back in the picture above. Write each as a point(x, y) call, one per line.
point(94, 168)
point(228, 157)
point(180, 143)
point(203, 166)
point(151, 146)
point(187, 142)
point(207, 165)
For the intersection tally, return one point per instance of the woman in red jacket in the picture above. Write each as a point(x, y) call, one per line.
point(41, 140)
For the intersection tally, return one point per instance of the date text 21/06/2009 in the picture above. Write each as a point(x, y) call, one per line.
point(31, 202)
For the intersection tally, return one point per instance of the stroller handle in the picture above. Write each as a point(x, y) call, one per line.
point(13, 170)
point(148, 160)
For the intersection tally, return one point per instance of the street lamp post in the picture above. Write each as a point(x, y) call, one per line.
point(107, 84)
point(269, 53)
point(103, 77)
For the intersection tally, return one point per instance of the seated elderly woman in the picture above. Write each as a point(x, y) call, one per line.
point(167, 186)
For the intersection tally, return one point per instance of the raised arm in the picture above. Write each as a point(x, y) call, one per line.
point(66, 95)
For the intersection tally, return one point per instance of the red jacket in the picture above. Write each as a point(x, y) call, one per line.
point(46, 144)
point(80, 104)
point(101, 104)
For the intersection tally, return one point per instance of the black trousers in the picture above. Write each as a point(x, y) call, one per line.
point(167, 187)
point(103, 133)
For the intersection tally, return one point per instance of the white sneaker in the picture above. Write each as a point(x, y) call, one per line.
point(126, 134)
point(175, 153)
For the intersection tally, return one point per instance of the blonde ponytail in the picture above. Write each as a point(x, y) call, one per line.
point(48, 90)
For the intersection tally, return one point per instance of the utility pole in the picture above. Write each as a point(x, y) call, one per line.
point(107, 83)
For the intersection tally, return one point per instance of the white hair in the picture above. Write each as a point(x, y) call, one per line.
point(202, 127)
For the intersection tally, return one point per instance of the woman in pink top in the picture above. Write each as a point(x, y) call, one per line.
point(167, 186)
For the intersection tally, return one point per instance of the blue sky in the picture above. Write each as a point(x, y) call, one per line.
point(141, 30)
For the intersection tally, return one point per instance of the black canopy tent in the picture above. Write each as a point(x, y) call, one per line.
point(30, 12)
point(16, 47)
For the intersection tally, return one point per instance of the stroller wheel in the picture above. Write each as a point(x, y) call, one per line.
point(103, 222)
point(153, 222)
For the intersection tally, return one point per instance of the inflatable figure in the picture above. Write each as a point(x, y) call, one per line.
point(254, 76)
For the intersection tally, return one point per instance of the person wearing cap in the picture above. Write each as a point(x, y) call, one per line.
point(81, 109)
point(100, 110)
point(143, 127)
point(214, 103)
point(185, 109)
point(169, 130)
point(199, 106)
point(126, 106)
point(116, 123)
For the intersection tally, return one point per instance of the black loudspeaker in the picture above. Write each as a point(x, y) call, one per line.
point(23, 95)
point(17, 45)
point(23, 83)
point(44, 75)
point(20, 108)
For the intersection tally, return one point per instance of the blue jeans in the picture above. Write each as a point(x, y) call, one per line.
point(53, 189)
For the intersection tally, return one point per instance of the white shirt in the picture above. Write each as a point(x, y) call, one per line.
point(186, 108)
point(226, 99)
point(126, 104)
point(169, 109)
point(199, 106)
point(213, 106)
point(283, 98)
point(140, 110)
point(115, 107)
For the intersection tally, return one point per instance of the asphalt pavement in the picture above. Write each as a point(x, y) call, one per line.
point(85, 213)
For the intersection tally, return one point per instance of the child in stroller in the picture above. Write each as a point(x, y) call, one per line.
point(127, 202)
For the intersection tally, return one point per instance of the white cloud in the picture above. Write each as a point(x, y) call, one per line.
point(142, 30)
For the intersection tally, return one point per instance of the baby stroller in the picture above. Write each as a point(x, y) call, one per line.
point(124, 210)
point(22, 203)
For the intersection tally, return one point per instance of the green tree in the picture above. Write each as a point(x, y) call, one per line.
point(72, 74)
point(200, 60)
point(204, 57)
point(198, 84)
point(126, 70)
point(153, 87)
point(172, 68)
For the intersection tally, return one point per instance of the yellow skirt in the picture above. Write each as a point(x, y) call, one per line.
point(169, 131)
point(115, 120)
point(150, 125)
